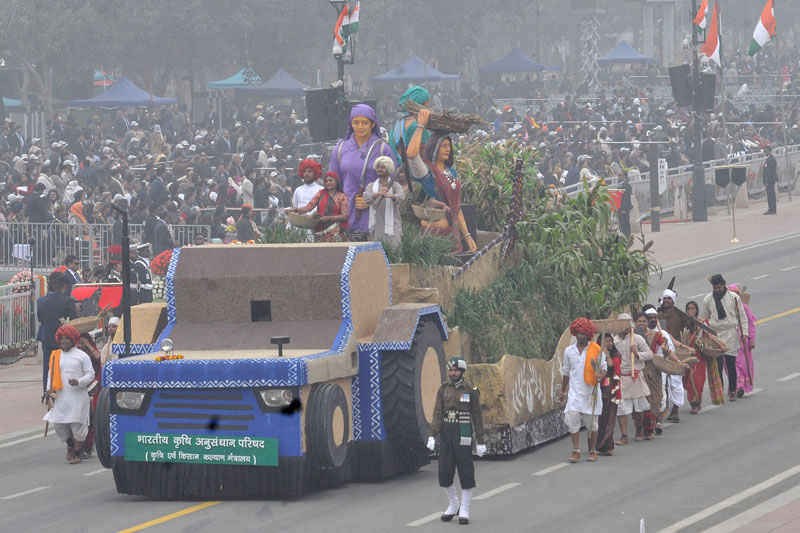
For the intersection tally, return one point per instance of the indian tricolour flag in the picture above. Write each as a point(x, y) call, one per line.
point(701, 19)
point(341, 32)
point(765, 29)
point(353, 27)
point(713, 47)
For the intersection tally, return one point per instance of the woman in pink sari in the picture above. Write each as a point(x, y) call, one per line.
point(744, 359)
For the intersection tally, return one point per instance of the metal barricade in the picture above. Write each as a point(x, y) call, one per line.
point(46, 245)
point(17, 315)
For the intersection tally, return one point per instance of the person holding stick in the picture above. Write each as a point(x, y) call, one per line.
point(744, 358)
point(634, 352)
point(583, 369)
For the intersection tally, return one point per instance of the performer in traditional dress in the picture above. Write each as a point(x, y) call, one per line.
point(70, 374)
point(434, 170)
point(456, 417)
point(673, 324)
point(331, 210)
point(87, 345)
point(384, 204)
point(744, 359)
point(353, 160)
point(612, 396)
point(724, 311)
point(111, 329)
point(695, 379)
point(583, 369)
point(634, 352)
point(405, 127)
point(674, 396)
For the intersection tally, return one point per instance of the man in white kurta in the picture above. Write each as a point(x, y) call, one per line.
point(70, 412)
point(584, 401)
point(634, 352)
point(724, 311)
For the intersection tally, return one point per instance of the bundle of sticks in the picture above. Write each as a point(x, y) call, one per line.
point(448, 121)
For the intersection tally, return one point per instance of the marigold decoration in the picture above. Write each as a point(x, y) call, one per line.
point(174, 357)
point(60, 269)
point(160, 263)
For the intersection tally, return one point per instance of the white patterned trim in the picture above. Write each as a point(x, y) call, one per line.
point(136, 349)
point(112, 428)
point(355, 387)
point(375, 404)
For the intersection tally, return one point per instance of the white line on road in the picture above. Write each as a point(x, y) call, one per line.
point(762, 276)
point(756, 512)
point(717, 255)
point(93, 472)
point(730, 502)
point(495, 492)
point(21, 432)
point(23, 493)
point(425, 520)
point(787, 269)
point(547, 470)
point(698, 295)
point(26, 439)
point(789, 377)
point(709, 408)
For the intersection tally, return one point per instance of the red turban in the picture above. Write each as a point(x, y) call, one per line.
point(582, 325)
point(69, 332)
point(313, 165)
point(115, 253)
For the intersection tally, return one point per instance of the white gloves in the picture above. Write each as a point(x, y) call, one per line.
point(480, 449)
point(431, 443)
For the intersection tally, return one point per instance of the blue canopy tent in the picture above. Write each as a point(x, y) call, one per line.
point(123, 94)
point(280, 85)
point(515, 62)
point(237, 81)
point(415, 70)
point(624, 54)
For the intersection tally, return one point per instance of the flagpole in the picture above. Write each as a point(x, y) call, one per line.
point(783, 111)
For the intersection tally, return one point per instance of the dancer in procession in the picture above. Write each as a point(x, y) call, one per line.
point(744, 359)
point(634, 352)
point(612, 396)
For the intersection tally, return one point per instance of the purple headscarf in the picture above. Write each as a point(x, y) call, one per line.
point(363, 110)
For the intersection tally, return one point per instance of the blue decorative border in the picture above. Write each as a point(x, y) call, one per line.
point(136, 349)
point(115, 437)
point(405, 345)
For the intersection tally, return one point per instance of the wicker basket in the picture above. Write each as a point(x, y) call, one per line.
point(85, 324)
point(429, 214)
point(684, 353)
point(669, 367)
point(299, 220)
point(709, 348)
point(614, 326)
point(691, 361)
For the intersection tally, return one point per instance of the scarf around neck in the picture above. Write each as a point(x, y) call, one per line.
point(721, 314)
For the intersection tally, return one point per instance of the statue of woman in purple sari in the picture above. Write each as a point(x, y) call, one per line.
point(353, 159)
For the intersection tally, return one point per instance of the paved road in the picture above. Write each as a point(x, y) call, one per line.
point(704, 471)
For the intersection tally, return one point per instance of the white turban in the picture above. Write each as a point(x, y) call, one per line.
point(385, 161)
point(670, 294)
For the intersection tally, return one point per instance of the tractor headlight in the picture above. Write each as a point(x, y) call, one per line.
point(130, 400)
point(276, 397)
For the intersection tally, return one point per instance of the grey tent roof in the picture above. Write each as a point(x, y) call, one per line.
point(414, 70)
point(515, 61)
point(624, 54)
point(124, 93)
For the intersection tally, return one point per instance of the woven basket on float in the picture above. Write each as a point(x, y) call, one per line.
point(298, 220)
point(710, 347)
point(429, 214)
point(615, 326)
point(85, 324)
point(669, 367)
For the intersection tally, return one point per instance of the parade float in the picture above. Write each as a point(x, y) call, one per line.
point(272, 370)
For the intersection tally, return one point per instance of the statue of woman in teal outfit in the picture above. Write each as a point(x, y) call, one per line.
point(404, 127)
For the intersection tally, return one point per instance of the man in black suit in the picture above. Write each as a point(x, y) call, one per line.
point(121, 124)
point(16, 141)
point(50, 309)
point(770, 180)
point(72, 274)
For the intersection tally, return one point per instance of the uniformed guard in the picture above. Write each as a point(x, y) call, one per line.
point(135, 284)
point(456, 418)
point(141, 267)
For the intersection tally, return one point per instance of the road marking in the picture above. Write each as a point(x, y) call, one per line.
point(779, 315)
point(24, 492)
point(729, 252)
point(756, 512)
point(789, 377)
point(787, 269)
point(28, 431)
point(709, 408)
point(171, 516)
point(26, 439)
point(553, 468)
point(495, 492)
point(692, 297)
point(93, 472)
point(730, 502)
point(425, 520)
point(762, 276)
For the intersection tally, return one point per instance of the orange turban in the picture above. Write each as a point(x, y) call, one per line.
point(69, 332)
point(313, 165)
point(582, 325)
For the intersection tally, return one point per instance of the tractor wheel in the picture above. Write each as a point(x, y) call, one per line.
point(327, 426)
point(409, 383)
point(102, 432)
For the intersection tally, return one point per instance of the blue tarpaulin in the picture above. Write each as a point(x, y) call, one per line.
point(515, 61)
point(11, 103)
point(624, 54)
point(415, 70)
point(237, 81)
point(280, 85)
point(123, 94)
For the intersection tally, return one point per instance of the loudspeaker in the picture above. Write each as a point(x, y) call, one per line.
point(739, 175)
point(722, 176)
point(324, 114)
point(681, 84)
point(705, 100)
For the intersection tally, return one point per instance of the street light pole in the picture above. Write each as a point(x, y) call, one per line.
point(699, 210)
